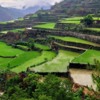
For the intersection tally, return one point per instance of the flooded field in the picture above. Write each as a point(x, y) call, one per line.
point(82, 77)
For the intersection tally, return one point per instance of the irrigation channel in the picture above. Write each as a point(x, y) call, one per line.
point(82, 77)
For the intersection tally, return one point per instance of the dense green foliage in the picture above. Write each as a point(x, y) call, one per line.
point(96, 75)
point(29, 86)
point(87, 20)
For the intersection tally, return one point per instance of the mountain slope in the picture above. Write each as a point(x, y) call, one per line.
point(77, 7)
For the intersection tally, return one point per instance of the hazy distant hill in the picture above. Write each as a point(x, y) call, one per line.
point(33, 9)
point(7, 14)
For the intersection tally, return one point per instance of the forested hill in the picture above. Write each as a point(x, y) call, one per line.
point(76, 7)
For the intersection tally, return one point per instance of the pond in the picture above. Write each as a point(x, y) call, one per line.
point(82, 77)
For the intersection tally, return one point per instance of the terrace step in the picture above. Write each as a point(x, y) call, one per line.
point(71, 48)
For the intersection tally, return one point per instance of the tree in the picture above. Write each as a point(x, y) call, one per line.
point(31, 43)
point(54, 88)
point(87, 20)
point(96, 75)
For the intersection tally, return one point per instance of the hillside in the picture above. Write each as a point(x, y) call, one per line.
point(76, 7)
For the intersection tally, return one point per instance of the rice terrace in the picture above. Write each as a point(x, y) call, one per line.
point(57, 45)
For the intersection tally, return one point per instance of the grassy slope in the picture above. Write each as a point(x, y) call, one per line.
point(59, 64)
point(87, 57)
point(49, 55)
point(46, 26)
point(73, 39)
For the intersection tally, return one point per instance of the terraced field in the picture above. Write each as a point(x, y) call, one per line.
point(11, 21)
point(59, 64)
point(73, 39)
point(13, 30)
point(87, 57)
point(6, 50)
point(46, 26)
point(20, 59)
point(45, 56)
point(11, 57)
point(94, 29)
point(75, 20)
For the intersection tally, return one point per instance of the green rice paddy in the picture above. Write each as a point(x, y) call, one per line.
point(75, 20)
point(45, 56)
point(42, 47)
point(94, 29)
point(46, 26)
point(88, 57)
point(6, 50)
point(20, 56)
point(59, 64)
point(13, 30)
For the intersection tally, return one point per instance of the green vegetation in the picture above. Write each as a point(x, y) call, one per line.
point(42, 47)
point(70, 22)
point(17, 30)
point(30, 86)
point(13, 30)
point(96, 75)
point(20, 56)
point(34, 15)
point(6, 50)
point(46, 26)
point(93, 29)
point(73, 39)
point(45, 56)
point(20, 59)
point(58, 64)
point(88, 57)
point(5, 22)
point(4, 32)
point(20, 19)
point(75, 20)
point(87, 20)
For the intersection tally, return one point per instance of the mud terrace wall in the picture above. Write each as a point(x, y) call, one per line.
point(44, 32)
